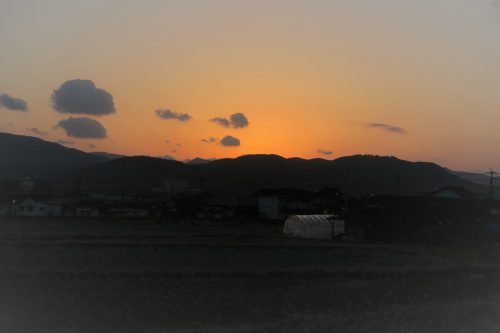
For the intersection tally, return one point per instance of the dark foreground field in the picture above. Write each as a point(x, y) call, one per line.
point(146, 277)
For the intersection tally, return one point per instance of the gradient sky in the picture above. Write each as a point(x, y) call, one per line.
point(418, 79)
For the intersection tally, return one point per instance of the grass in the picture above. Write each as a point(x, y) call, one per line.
point(90, 276)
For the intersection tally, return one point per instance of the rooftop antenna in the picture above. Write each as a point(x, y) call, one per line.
point(492, 174)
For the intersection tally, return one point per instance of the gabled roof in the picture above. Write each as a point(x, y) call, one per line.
point(296, 193)
point(8, 197)
point(283, 192)
point(461, 191)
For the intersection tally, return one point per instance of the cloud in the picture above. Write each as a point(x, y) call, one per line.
point(82, 97)
point(37, 131)
point(388, 128)
point(169, 114)
point(167, 141)
point(173, 151)
point(224, 122)
point(83, 128)
point(65, 143)
point(325, 152)
point(236, 120)
point(209, 140)
point(230, 141)
point(92, 146)
point(12, 103)
point(239, 120)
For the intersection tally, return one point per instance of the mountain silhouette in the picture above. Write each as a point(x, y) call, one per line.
point(356, 175)
point(25, 155)
point(198, 160)
point(109, 156)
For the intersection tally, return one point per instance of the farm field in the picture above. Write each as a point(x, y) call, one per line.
point(96, 276)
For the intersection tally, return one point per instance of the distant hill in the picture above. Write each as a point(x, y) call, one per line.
point(198, 160)
point(137, 172)
point(357, 175)
point(109, 156)
point(477, 178)
point(25, 155)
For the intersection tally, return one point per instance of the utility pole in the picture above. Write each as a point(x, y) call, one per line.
point(491, 188)
point(398, 186)
point(122, 199)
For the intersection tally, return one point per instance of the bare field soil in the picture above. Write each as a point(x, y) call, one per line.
point(92, 276)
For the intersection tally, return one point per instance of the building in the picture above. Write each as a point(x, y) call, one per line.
point(130, 210)
point(278, 204)
point(453, 192)
point(30, 207)
point(239, 208)
point(313, 227)
point(4, 209)
point(175, 186)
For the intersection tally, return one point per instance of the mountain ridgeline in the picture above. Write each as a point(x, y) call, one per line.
point(29, 156)
point(357, 175)
point(245, 175)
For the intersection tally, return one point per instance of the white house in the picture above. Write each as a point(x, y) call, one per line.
point(29, 207)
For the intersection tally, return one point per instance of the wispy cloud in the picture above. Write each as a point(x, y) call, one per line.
point(37, 131)
point(388, 128)
point(169, 114)
point(65, 143)
point(325, 152)
point(209, 140)
point(12, 103)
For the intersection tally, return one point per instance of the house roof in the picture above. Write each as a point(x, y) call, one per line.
point(283, 192)
point(461, 191)
point(295, 192)
point(8, 197)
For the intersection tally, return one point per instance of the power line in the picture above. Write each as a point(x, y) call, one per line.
point(491, 188)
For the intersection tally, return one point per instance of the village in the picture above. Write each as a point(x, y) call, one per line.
point(443, 215)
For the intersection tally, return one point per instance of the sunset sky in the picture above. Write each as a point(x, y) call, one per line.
point(418, 79)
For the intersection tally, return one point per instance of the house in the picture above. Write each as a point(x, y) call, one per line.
point(30, 207)
point(229, 208)
point(277, 204)
point(86, 208)
point(87, 211)
point(175, 186)
point(4, 209)
point(27, 184)
point(453, 192)
point(130, 210)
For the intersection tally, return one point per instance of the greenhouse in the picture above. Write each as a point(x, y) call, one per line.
point(313, 227)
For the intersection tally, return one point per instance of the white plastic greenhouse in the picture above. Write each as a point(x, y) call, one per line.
point(313, 226)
